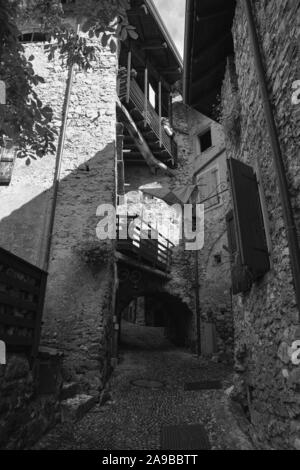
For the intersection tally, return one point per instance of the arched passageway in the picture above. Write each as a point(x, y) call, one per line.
point(163, 311)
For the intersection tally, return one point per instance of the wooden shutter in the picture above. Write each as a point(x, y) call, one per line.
point(251, 238)
point(240, 276)
point(232, 245)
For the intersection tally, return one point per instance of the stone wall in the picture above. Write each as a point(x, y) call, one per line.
point(78, 311)
point(25, 413)
point(214, 263)
point(184, 262)
point(267, 319)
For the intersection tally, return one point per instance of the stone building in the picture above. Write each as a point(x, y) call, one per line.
point(241, 71)
point(202, 141)
point(210, 175)
point(111, 140)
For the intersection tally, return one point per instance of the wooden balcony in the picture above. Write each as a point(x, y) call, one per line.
point(22, 293)
point(155, 251)
point(163, 147)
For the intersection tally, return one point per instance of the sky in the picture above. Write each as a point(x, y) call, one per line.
point(172, 12)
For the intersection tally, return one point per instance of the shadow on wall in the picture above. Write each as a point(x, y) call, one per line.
point(79, 293)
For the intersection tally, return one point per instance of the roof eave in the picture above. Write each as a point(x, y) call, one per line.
point(206, 105)
point(189, 26)
point(153, 10)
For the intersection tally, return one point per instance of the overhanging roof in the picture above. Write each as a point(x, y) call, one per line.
point(154, 40)
point(208, 42)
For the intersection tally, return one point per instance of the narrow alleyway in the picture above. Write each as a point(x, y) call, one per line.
point(133, 416)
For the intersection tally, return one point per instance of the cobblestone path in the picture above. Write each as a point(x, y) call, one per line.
point(133, 417)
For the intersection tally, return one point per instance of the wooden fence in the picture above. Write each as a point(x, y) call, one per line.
point(22, 294)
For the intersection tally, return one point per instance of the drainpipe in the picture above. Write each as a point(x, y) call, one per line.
point(194, 200)
point(59, 156)
point(198, 309)
point(277, 154)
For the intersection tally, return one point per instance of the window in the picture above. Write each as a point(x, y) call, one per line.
point(218, 259)
point(35, 36)
point(7, 159)
point(208, 186)
point(152, 96)
point(205, 140)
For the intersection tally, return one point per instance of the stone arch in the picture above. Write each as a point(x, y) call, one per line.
point(178, 318)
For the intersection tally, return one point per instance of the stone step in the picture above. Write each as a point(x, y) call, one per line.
point(73, 409)
point(68, 390)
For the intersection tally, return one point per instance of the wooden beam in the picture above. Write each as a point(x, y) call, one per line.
point(160, 112)
point(170, 110)
point(128, 77)
point(146, 88)
point(141, 57)
point(120, 160)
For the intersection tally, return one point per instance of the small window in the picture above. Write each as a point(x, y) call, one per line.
point(205, 140)
point(152, 96)
point(7, 159)
point(217, 259)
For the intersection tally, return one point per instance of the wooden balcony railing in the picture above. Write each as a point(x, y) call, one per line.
point(155, 251)
point(22, 293)
point(138, 102)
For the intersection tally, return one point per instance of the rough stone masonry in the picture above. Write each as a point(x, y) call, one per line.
point(78, 311)
point(266, 319)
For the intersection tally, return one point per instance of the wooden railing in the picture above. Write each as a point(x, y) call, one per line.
point(22, 293)
point(156, 250)
point(137, 98)
point(150, 115)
